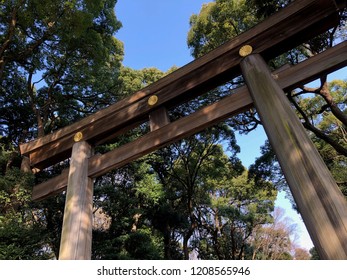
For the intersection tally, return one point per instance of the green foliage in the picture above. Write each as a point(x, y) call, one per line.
point(148, 187)
point(56, 60)
point(268, 7)
point(142, 244)
point(218, 22)
point(20, 241)
point(60, 55)
point(127, 197)
point(314, 254)
point(237, 207)
point(133, 80)
point(138, 245)
point(21, 236)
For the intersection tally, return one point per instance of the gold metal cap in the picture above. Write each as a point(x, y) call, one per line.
point(245, 50)
point(152, 100)
point(78, 136)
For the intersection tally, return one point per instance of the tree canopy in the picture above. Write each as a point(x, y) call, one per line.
point(55, 62)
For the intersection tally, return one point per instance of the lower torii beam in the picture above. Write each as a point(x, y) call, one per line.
point(320, 202)
point(76, 238)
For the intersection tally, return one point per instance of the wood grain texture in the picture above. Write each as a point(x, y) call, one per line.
point(170, 133)
point(304, 71)
point(320, 202)
point(298, 22)
point(101, 164)
point(324, 63)
point(158, 118)
point(76, 238)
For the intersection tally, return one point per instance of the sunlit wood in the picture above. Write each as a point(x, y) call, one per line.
point(76, 238)
point(286, 78)
point(286, 29)
point(318, 198)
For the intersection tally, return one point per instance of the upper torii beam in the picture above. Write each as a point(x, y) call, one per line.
point(300, 21)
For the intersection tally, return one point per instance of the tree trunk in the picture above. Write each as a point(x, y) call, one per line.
point(192, 227)
point(8, 39)
point(325, 93)
point(185, 245)
point(136, 219)
point(167, 243)
point(216, 232)
point(320, 134)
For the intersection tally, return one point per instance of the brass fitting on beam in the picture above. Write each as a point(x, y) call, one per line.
point(78, 136)
point(245, 50)
point(152, 100)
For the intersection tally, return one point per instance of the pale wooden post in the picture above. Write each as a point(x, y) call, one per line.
point(320, 202)
point(25, 165)
point(76, 238)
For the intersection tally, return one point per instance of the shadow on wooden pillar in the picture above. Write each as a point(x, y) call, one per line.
point(320, 202)
point(76, 238)
point(25, 165)
point(158, 118)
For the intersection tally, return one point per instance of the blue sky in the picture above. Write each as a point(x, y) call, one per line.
point(154, 34)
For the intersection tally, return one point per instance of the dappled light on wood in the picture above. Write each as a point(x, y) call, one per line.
point(288, 28)
point(321, 203)
point(76, 239)
point(286, 77)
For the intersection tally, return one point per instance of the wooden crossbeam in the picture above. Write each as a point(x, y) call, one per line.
point(300, 21)
point(239, 101)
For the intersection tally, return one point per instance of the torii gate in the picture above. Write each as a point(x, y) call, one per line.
point(321, 204)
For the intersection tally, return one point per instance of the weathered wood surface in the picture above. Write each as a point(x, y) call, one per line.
point(320, 202)
point(76, 239)
point(298, 22)
point(286, 78)
point(158, 118)
point(101, 164)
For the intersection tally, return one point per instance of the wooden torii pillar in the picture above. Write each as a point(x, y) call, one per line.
point(322, 207)
point(76, 236)
point(320, 202)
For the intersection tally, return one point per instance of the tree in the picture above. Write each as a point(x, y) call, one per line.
point(217, 205)
point(301, 254)
point(56, 59)
point(125, 198)
point(218, 22)
point(273, 241)
point(21, 233)
point(314, 254)
point(189, 164)
point(237, 207)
